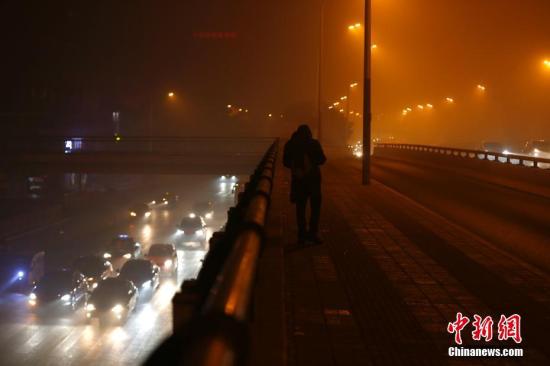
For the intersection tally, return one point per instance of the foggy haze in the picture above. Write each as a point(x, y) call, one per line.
point(69, 66)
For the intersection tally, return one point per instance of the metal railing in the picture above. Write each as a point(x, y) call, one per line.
point(513, 159)
point(211, 313)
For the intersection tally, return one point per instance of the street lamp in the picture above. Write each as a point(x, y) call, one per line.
point(481, 88)
point(354, 26)
point(449, 100)
point(546, 63)
point(171, 95)
point(367, 114)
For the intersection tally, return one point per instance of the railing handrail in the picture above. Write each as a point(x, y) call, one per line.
point(215, 332)
point(466, 153)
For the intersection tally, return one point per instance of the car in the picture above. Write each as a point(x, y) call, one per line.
point(94, 268)
point(20, 271)
point(228, 178)
point(169, 198)
point(143, 273)
point(192, 228)
point(59, 290)
point(139, 211)
point(538, 149)
point(112, 301)
point(121, 249)
point(164, 256)
point(204, 209)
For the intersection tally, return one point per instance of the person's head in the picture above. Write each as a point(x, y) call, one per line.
point(304, 133)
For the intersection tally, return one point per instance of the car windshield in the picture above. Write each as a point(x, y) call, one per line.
point(121, 245)
point(135, 267)
point(191, 223)
point(90, 266)
point(161, 250)
point(55, 281)
point(140, 208)
point(110, 288)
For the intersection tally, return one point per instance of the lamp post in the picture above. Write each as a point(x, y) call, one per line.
point(367, 113)
point(171, 96)
point(320, 69)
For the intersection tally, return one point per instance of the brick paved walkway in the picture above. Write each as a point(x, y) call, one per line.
point(383, 286)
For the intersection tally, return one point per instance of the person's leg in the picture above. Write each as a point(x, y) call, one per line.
point(301, 202)
point(315, 200)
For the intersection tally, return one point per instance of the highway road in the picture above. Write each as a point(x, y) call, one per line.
point(513, 220)
point(29, 339)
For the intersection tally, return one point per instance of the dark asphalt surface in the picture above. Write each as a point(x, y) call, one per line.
point(515, 221)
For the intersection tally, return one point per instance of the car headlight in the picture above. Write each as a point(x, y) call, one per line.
point(147, 214)
point(20, 275)
point(192, 215)
point(168, 263)
point(117, 309)
point(233, 177)
point(66, 297)
point(90, 307)
point(180, 232)
point(223, 177)
point(107, 255)
point(199, 233)
point(146, 284)
point(153, 202)
point(94, 285)
point(32, 296)
point(208, 215)
point(127, 256)
point(133, 214)
point(90, 279)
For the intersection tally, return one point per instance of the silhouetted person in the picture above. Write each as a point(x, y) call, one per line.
point(303, 155)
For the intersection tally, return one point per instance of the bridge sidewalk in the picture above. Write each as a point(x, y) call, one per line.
point(383, 286)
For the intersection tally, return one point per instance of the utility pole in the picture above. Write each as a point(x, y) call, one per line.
point(367, 113)
point(320, 71)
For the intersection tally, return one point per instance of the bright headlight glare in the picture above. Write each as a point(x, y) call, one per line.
point(192, 215)
point(146, 284)
point(133, 214)
point(199, 233)
point(233, 177)
point(107, 255)
point(180, 232)
point(32, 296)
point(94, 285)
point(127, 256)
point(66, 297)
point(90, 307)
point(147, 214)
point(117, 309)
point(208, 215)
point(90, 279)
point(168, 263)
point(20, 274)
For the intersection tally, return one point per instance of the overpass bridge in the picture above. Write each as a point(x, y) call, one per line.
point(131, 155)
point(440, 231)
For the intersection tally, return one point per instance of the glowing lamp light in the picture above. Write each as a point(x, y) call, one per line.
point(117, 309)
point(449, 100)
point(481, 87)
point(374, 46)
point(420, 106)
point(546, 63)
point(171, 95)
point(429, 106)
point(20, 275)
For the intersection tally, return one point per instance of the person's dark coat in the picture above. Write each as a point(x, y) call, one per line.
point(303, 155)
